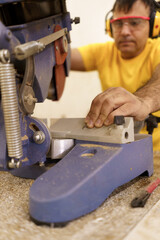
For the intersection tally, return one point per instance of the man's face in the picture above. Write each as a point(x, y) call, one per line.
point(129, 39)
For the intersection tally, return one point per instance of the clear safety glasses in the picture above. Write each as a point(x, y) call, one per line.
point(133, 22)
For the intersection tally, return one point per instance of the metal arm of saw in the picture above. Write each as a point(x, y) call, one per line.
point(28, 49)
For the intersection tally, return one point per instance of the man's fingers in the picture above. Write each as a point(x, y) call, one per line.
point(123, 110)
point(100, 121)
point(95, 110)
point(114, 102)
point(106, 109)
point(128, 109)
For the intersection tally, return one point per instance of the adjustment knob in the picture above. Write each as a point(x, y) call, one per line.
point(76, 20)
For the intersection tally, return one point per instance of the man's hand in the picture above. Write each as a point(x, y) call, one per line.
point(114, 102)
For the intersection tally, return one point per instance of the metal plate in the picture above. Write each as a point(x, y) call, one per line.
point(75, 128)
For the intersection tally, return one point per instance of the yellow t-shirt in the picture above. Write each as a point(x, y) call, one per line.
point(131, 74)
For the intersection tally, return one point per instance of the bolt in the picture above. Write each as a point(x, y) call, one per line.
point(14, 164)
point(39, 137)
point(30, 99)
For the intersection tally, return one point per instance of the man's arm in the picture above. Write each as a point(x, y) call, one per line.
point(77, 63)
point(118, 101)
point(150, 93)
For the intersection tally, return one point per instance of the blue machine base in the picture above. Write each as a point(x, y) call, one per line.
point(85, 177)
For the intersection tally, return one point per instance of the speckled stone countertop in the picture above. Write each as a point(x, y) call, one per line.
point(114, 219)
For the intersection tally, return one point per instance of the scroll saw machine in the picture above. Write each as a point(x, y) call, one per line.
point(34, 60)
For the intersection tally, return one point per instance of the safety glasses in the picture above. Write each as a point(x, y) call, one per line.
point(133, 22)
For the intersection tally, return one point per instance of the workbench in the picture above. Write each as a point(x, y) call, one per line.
point(114, 219)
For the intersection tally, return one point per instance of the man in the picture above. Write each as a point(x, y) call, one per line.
point(129, 67)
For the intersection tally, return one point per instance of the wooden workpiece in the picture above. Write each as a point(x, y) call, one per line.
point(114, 219)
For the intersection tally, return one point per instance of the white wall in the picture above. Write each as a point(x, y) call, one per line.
point(80, 88)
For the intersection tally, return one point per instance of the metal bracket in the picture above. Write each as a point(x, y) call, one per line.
point(74, 128)
point(28, 49)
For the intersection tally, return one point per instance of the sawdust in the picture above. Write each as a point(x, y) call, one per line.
point(100, 146)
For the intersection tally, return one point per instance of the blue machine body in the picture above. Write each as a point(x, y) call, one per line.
point(45, 61)
point(79, 183)
point(32, 152)
point(43, 65)
point(43, 69)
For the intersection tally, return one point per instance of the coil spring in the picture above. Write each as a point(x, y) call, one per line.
point(10, 110)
